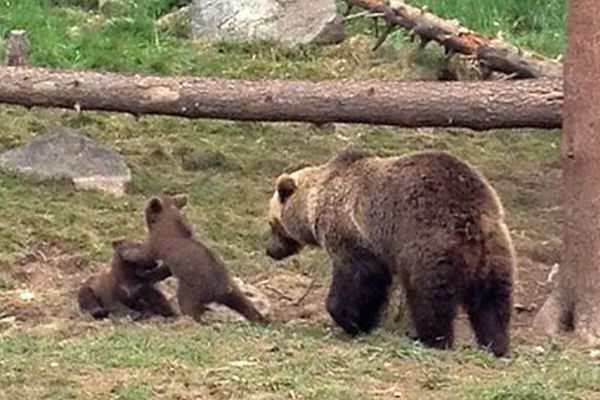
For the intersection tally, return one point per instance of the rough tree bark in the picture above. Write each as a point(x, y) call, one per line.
point(475, 105)
point(575, 301)
point(493, 54)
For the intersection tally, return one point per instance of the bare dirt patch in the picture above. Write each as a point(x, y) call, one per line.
point(46, 280)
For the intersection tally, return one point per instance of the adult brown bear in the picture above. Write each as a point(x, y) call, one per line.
point(426, 217)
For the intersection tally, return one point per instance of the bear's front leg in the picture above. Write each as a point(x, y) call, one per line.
point(154, 275)
point(152, 301)
point(359, 288)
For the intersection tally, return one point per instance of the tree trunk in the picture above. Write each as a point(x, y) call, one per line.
point(476, 105)
point(575, 301)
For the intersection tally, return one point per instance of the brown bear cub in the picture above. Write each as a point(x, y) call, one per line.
point(426, 217)
point(128, 285)
point(202, 277)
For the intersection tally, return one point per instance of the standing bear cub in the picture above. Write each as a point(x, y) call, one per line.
point(202, 277)
point(127, 286)
point(426, 217)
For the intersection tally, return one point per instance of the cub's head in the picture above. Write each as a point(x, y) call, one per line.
point(131, 255)
point(165, 212)
point(281, 243)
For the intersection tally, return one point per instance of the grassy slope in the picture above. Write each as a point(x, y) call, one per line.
point(227, 168)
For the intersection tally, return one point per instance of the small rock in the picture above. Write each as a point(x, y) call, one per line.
point(178, 22)
point(595, 354)
point(8, 322)
point(539, 350)
point(26, 295)
point(553, 272)
point(523, 308)
point(243, 363)
point(289, 22)
point(258, 298)
point(112, 7)
point(63, 154)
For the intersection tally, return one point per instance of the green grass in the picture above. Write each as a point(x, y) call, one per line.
point(228, 169)
point(141, 362)
point(130, 42)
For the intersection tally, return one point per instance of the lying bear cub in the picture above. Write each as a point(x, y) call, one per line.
point(426, 217)
point(127, 286)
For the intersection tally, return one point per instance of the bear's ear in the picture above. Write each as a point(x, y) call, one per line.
point(155, 205)
point(180, 200)
point(286, 186)
point(128, 250)
point(116, 243)
point(132, 254)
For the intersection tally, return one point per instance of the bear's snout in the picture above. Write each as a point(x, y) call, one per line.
point(276, 253)
point(280, 247)
point(273, 254)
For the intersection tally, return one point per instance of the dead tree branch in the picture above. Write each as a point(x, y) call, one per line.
point(493, 54)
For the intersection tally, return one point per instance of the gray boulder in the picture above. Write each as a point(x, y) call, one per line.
point(63, 154)
point(289, 22)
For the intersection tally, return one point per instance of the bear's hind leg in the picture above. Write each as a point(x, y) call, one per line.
point(192, 301)
point(433, 301)
point(489, 306)
point(236, 300)
point(359, 289)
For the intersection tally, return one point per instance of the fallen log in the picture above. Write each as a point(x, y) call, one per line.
point(475, 105)
point(491, 53)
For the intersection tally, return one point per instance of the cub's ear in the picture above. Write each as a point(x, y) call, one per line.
point(180, 200)
point(130, 252)
point(155, 205)
point(286, 186)
point(116, 243)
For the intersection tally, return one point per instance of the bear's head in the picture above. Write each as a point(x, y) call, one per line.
point(131, 255)
point(163, 215)
point(288, 228)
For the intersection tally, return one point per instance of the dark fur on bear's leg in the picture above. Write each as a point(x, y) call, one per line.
point(433, 306)
point(489, 307)
point(236, 300)
point(89, 302)
point(151, 301)
point(155, 275)
point(358, 290)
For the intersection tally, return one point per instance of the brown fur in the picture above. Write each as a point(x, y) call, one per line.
point(426, 217)
point(202, 277)
point(127, 285)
